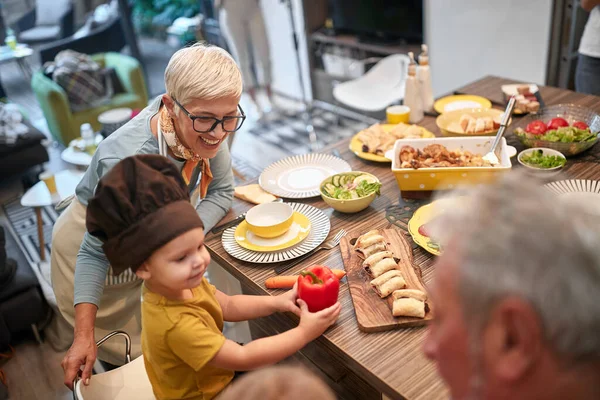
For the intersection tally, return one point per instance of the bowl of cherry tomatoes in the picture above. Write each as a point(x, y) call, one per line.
point(567, 128)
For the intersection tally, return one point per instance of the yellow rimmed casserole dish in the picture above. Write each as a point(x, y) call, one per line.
point(444, 178)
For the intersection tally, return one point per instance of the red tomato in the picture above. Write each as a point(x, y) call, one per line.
point(580, 125)
point(423, 230)
point(536, 127)
point(556, 123)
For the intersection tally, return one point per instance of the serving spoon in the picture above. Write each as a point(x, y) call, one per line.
point(492, 156)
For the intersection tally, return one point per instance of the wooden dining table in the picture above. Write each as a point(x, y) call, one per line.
point(360, 365)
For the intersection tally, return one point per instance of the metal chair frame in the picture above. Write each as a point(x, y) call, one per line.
point(99, 344)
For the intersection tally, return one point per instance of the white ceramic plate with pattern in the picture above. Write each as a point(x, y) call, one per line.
point(320, 227)
point(584, 194)
point(299, 177)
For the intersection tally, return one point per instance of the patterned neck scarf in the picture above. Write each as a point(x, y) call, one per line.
point(167, 127)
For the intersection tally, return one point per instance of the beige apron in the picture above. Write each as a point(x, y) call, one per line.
point(120, 305)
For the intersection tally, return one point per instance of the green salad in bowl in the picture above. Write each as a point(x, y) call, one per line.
point(351, 191)
point(542, 161)
point(537, 158)
point(567, 128)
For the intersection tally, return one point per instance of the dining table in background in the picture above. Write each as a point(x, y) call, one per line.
point(360, 365)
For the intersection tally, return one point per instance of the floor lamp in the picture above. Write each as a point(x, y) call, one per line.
point(307, 113)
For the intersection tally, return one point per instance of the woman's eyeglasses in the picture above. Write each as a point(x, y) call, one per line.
point(208, 124)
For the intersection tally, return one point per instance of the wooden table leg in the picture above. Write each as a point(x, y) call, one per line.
point(40, 224)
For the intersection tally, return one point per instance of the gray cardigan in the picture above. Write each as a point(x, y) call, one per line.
point(134, 138)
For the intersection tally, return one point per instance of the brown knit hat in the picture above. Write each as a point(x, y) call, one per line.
point(140, 205)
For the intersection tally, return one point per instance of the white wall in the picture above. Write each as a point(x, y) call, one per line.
point(469, 39)
point(283, 56)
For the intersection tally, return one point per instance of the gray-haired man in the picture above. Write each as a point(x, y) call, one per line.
point(517, 296)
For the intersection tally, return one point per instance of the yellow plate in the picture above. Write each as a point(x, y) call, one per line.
point(426, 214)
point(298, 232)
point(422, 216)
point(356, 145)
point(462, 101)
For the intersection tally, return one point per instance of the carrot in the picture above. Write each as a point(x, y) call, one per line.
point(288, 281)
point(281, 282)
point(340, 273)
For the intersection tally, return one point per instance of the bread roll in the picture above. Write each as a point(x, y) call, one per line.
point(408, 307)
point(410, 293)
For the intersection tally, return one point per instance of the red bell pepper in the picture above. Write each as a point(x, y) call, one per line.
point(318, 287)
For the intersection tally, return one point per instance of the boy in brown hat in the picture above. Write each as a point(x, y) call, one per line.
point(142, 214)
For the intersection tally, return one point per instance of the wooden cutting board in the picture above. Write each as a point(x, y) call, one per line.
point(373, 313)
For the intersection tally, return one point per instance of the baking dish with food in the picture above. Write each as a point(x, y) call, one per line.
point(442, 178)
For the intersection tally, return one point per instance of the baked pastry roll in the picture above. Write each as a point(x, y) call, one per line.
point(370, 243)
point(413, 131)
point(399, 130)
point(410, 293)
point(381, 267)
point(388, 282)
point(368, 239)
point(408, 307)
point(375, 258)
point(376, 248)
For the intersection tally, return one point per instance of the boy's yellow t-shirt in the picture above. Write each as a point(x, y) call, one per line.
point(179, 338)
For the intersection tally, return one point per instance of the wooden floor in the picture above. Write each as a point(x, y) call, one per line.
point(34, 373)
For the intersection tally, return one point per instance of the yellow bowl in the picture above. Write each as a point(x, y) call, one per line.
point(270, 220)
point(449, 122)
point(348, 206)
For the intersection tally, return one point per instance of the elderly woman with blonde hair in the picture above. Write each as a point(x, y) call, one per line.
point(189, 124)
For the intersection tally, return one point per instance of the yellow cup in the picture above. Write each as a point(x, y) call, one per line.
point(48, 178)
point(11, 43)
point(397, 114)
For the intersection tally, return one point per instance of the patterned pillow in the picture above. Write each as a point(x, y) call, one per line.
point(86, 84)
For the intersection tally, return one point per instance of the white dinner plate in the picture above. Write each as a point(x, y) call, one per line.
point(299, 177)
point(584, 194)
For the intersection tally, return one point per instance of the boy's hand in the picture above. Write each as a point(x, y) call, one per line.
point(314, 324)
point(287, 301)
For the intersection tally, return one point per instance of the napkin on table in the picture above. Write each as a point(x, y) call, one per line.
point(253, 194)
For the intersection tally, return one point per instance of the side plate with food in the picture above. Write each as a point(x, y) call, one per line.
point(371, 144)
point(526, 96)
point(470, 122)
point(419, 226)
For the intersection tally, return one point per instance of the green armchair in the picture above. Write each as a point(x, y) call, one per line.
point(63, 123)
